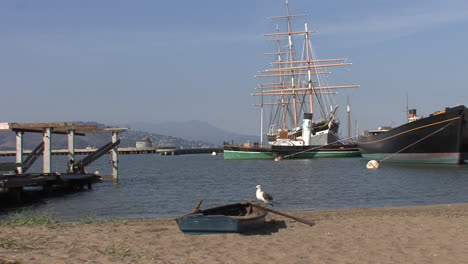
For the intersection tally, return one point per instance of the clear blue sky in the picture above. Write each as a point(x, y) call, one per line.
point(119, 62)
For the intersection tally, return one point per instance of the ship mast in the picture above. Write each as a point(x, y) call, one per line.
point(291, 59)
point(348, 110)
point(261, 123)
point(281, 80)
point(290, 72)
point(309, 74)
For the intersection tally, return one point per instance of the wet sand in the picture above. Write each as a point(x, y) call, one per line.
point(420, 234)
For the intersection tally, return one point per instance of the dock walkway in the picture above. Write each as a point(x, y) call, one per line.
point(124, 151)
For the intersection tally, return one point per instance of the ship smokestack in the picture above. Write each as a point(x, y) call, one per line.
point(306, 128)
point(412, 115)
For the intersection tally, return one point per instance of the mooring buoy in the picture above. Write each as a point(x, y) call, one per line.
point(373, 164)
point(278, 159)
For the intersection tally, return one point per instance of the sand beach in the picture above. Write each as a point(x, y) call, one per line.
point(414, 234)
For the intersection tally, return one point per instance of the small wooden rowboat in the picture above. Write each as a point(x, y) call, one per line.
point(231, 218)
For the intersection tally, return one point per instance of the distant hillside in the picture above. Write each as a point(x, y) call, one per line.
point(194, 130)
point(128, 139)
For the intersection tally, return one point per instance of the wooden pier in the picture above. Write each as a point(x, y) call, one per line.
point(124, 151)
point(14, 176)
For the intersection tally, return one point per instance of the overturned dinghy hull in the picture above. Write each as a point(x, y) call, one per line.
point(232, 218)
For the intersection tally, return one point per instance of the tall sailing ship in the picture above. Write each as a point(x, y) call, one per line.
point(302, 122)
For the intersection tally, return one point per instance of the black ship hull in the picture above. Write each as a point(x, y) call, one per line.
point(440, 138)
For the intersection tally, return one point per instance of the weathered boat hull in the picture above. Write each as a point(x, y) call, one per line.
point(232, 152)
point(439, 138)
point(465, 139)
point(233, 218)
point(307, 152)
point(291, 152)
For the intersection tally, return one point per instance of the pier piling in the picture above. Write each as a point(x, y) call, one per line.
point(19, 151)
point(115, 158)
point(46, 154)
point(71, 148)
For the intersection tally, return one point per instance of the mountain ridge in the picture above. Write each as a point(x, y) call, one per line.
point(194, 130)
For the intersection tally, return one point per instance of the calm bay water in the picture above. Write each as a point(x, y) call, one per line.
point(160, 186)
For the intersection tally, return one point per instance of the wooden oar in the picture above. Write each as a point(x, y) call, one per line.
point(304, 221)
point(197, 207)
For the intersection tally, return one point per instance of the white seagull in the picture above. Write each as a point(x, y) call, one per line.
point(263, 196)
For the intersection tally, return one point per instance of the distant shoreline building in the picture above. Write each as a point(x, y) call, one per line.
point(144, 143)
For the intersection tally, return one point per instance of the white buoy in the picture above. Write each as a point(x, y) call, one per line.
point(213, 153)
point(373, 164)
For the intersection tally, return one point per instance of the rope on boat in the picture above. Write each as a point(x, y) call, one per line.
point(314, 148)
point(437, 131)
